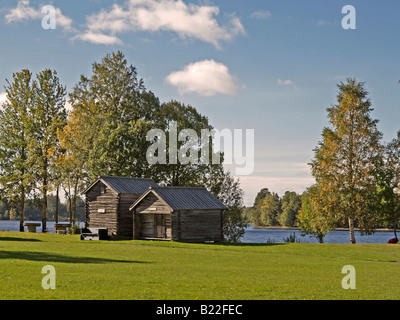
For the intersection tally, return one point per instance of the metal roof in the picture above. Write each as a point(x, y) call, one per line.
point(189, 198)
point(126, 184)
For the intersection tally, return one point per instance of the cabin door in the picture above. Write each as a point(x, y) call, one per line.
point(159, 225)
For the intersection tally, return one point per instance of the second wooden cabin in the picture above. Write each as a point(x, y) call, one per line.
point(178, 214)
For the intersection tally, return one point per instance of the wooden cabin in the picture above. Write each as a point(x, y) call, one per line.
point(107, 202)
point(178, 214)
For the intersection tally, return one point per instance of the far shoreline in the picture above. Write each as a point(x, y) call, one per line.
point(337, 229)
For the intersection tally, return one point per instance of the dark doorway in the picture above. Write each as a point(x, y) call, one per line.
point(159, 226)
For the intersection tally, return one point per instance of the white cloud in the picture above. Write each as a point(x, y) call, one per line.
point(261, 14)
point(285, 82)
point(24, 12)
point(187, 20)
point(206, 78)
point(64, 21)
point(98, 38)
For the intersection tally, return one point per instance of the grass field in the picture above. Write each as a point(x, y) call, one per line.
point(169, 270)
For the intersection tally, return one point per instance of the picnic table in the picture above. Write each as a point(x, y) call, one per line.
point(61, 228)
point(31, 226)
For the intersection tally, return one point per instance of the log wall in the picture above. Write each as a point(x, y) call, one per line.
point(126, 216)
point(102, 209)
point(199, 226)
point(152, 219)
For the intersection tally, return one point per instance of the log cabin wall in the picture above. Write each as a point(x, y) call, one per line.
point(152, 219)
point(102, 209)
point(199, 226)
point(180, 225)
point(126, 216)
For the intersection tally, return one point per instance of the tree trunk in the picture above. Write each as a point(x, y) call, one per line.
point(395, 233)
point(57, 201)
point(74, 205)
point(351, 229)
point(70, 205)
point(44, 209)
point(22, 209)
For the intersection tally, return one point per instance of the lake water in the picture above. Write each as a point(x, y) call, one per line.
point(11, 225)
point(254, 235)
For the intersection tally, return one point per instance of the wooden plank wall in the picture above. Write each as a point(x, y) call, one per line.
point(147, 228)
point(151, 202)
point(126, 216)
point(109, 200)
point(200, 226)
point(145, 212)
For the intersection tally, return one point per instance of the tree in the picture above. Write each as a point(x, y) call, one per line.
point(172, 118)
point(290, 206)
point(47, 116)
point(270, 209)
point(387, 177)
point(345, 157)
point(14, 134)
point(312, 218)
point(256, 210)
point(111, 112)
point(234, 223)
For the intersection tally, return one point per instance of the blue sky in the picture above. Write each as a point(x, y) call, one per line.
point(271, 66)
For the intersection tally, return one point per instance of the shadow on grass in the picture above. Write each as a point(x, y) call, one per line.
point(18, 239)
point(51, 257)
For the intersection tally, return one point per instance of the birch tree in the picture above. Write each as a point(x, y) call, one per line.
point(345, 157)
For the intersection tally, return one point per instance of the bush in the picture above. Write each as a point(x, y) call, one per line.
point(292, 239)
point(75, 229)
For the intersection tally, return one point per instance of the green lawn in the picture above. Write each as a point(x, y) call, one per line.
point(170, 270)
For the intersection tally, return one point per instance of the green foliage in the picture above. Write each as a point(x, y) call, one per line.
point(386, 173)
point(47, 116)
point(111, 115)
point(15, 178)
point(234, 222)
point(313, 219)
point(343, 159)
point(291, 239)
point(270, 210)
point(290, 206)
point(75, 229)
point(256, 211)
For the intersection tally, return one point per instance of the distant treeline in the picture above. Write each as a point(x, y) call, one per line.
point(270, 209)
point(33, 210)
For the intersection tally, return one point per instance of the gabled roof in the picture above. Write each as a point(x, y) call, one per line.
point(125, 184)
point(184, 198)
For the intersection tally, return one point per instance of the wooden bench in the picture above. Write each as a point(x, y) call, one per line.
point(94, 234)
point(61, 228)
point(31, 226)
